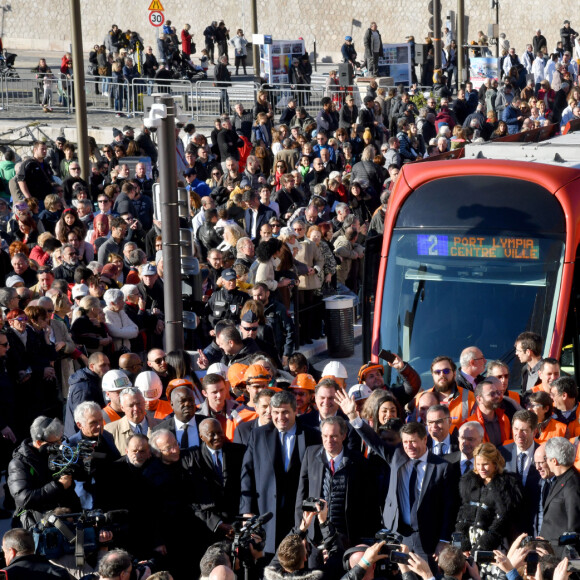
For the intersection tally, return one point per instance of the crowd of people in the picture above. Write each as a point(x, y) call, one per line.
point(96, 415)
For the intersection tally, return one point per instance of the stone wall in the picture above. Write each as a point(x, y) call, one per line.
point(46, 25)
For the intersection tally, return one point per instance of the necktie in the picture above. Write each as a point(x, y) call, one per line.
point(218, 465)
point(284, 452)
point(332, 466)
point(545, 491)
point(443, 448)
point(466, 467)
point(138, 430)
point(413, 484)
point(521, 462)
point(184, 438)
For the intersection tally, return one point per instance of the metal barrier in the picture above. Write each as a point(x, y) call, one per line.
point(102, 94)
point(28, 91)
point(182, 91)
point(214, 98)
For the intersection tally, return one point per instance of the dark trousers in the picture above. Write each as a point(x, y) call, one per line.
point(210, 51)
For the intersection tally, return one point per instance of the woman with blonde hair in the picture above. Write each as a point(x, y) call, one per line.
point(490, 498)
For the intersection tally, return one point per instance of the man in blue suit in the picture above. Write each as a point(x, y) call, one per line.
point(271, 468)
point(257, 214)
point(420, 503)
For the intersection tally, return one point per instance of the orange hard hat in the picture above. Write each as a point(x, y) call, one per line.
point(177, 383)
point(370, 366)
point(236, 375)
point(257, 374)
point(303, 381)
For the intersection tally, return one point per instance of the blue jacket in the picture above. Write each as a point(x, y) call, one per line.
point(510, 116)
point(200, 187)
point(84, 385)
point(405, 149)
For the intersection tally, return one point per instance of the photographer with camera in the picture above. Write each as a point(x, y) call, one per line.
point(360, 561)
point(452, 562)
point(34, 482)
point(294, 550)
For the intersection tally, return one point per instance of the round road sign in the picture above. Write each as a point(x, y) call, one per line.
point(156, 18)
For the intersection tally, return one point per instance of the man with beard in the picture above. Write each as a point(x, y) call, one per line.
point(70, 261)
point(494, 421)
point(460, 401)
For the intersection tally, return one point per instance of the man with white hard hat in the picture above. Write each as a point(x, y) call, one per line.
point(113, 383)
point(360, 393)
point(151, 387)
point(336, 371)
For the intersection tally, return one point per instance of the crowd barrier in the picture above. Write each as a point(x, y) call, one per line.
point(28, 90)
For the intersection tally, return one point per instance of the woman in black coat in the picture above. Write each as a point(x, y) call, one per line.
point(490, 498)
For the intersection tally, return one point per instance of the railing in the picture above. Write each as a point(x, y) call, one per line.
point(28, 91)
point(214, 98)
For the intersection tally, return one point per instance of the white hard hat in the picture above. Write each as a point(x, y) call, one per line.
point(359, 392)
point(335, 369)
point(219, 369)
point(150, 385)
point(115, 380)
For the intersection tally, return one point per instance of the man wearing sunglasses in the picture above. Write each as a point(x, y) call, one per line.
point(459, 400)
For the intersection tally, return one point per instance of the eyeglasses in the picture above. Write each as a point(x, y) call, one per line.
point(438, 421)
point(250, 328)
point(21, 319)
point(5, 344)
point(276, 225)
point(439, 371)
point(159, 360)
point(75, 168)
point(104, 201)
point(298, 229)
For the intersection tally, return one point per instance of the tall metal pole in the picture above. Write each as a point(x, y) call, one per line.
point(437, 33)
point(255, 47)
point(460, 41)
point(497, 24)
point(170, 227)
point(79, 88)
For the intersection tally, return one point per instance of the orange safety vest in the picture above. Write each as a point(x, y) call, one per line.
point(575, 441)
point(459, 408)
point(162, 410)
point(574, 426)
point(110, 415)
point(515, 396)
point(504, 424)
point(553, 429)
point(238, 416)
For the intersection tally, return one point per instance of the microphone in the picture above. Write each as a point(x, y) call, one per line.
point(265, 518)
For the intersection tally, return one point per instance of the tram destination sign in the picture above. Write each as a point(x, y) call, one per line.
point(473, 246)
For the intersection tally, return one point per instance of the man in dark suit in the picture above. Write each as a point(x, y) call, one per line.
point(183, 423)
point(339, 476)
point(470, 436)
point(440, 441)
point(420, 503)
point(562, 506)
point(519, 458)
point(327, 406)
point(220, 463)
point(271, 468)
point(257, 214)
point(262, 407)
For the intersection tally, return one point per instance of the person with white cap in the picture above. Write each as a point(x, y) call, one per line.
point(337, 372)
point(151, 387)
point(113, 383)
point(360, 393)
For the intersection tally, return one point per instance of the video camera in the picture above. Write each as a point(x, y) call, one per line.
point(392, 548)
point(244, 529)
point(66, 460)
point(77, 533)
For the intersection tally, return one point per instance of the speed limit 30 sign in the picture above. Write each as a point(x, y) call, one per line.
point(156, 18)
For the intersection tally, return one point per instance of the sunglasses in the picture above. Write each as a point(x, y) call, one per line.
point(250, 328)
point(159, 360)
point(444, 371)
point(104, 201)
point(21, 319)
